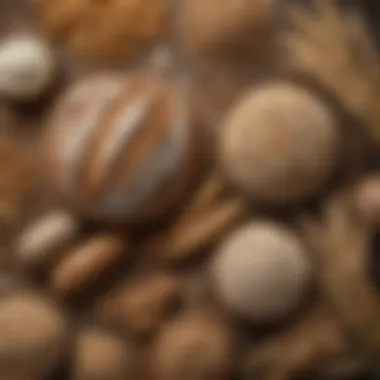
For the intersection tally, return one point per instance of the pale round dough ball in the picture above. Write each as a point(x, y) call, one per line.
point(27, 67)
point(33, 334)
point(101, 356)
point(260, 272)
point(279, 144)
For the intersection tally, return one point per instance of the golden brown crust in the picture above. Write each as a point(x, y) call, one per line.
point(341, 243)
point(107, 30)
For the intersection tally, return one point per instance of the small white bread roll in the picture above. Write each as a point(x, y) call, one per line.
point(260, 272)
point(27, 67)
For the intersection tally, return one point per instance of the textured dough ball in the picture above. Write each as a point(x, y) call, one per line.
point(279, 144)
point(107, 30)
point(196, 346)
point(260, 272)
point(33, 336)
point(27, 67)
point(101, 356)
point(226, 28)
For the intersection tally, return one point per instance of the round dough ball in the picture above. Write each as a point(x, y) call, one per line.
point(279, 144)
point(33, 336)
point(261, 272)
point(196, 346)
point(27, 67)
point(101, 356)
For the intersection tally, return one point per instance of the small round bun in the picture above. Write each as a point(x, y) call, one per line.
point(101, 356)
point(260, 272)
point(195, 346)
point(33, 336)
point(27, 67)
point(279, 144)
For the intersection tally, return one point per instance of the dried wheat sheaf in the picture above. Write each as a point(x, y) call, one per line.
point(335, 49)
point(306, 346)
point(208, 216)
point(341, 243)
